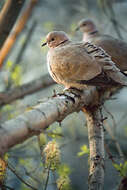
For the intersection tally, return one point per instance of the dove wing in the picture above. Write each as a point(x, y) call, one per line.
point(72, 62)
point(114, 47)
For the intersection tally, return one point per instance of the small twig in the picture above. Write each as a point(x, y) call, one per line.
point(47, 179)
point(32, 177)
point(18, 176)
point(108, 128)
point(112, 18)
point(60, 187)
point(109, 153)
point(114, 125)
point(6, 187)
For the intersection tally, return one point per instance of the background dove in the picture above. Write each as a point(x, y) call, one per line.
point(76, 64)
point(117, 49)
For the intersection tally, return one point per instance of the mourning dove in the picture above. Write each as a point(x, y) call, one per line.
point(76, 65)
point(116, 48)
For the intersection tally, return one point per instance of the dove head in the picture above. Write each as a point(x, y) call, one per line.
point(55, 38)
point(86, 26)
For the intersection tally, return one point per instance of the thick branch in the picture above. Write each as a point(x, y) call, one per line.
point(8, 44)
point(8, 16)
point(96, 145)
point(29, 88)
point(32, 123)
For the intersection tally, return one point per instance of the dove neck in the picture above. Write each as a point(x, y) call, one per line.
point(87, 37)
point(93, 32)
point(63, 42)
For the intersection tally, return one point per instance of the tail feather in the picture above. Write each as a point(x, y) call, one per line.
point(103, 80)
point(118, 77)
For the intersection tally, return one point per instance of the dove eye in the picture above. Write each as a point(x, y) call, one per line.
point(52, 39)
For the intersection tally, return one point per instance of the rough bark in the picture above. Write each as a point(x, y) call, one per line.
point(57, 108)
point(96, 145)
point(26, 89)
point(33, 122)
point(8, 16)
point(18, 27)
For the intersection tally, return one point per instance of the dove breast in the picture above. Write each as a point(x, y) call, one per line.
point(70, 62)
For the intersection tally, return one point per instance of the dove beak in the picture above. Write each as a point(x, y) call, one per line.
point(76, 29)
point(44, 44)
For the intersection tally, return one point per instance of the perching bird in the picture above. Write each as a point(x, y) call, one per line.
point(116, 48)
point(76, 65)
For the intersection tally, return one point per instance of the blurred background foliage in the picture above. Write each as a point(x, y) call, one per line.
point(26, 62)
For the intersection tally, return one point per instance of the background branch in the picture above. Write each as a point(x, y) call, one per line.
point(19, 177)
point(8, 44)
point(26, 89)
point(8, 16)
point(20, 54)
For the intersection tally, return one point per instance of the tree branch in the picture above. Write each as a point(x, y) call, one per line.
point(8, 16)
point(19, 176)
point(33, 122)
point(96, 145)
point(26, 89)
point(20, 54)
point(57, 108)
point(8, 44)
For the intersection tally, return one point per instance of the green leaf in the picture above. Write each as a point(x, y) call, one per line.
point(6, 156)
point(121, 168)
point(124, 169)
point(43, 139)
point(63, 170)
point(16, 75)
point(84, 150)
point(117, 166)
point(56, 133)
point(8, 64)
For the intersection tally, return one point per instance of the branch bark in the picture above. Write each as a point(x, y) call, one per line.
point(96, 145)
point(33, 122)
point(8, 16)
point(8, 44)
point(26, 89)
point(57, 108)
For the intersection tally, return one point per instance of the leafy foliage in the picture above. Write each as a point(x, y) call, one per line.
point(55, 133)
point(63, 182)
point(16, 75)
point(63, 170)
point(121, 168)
